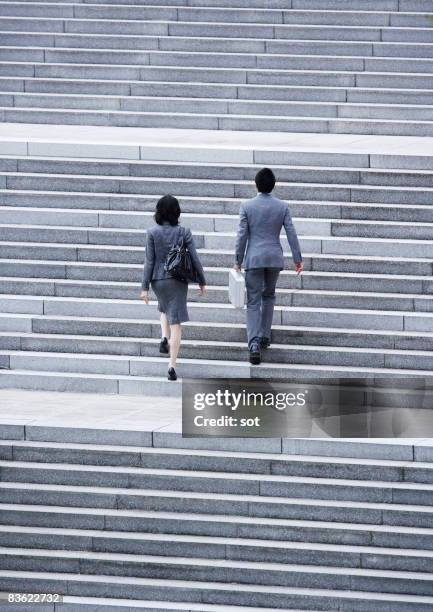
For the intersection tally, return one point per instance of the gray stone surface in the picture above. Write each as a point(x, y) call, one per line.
point(349, 529)
point(117, 235)
point(173, 38)
point(201, 521)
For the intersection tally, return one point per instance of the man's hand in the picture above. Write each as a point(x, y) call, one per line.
point(201, 290)
point(299, 267)
point(238, 268)
point(145, 296)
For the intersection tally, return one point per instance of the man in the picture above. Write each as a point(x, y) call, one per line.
point(259, 251)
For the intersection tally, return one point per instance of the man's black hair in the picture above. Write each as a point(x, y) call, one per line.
point(265, 180)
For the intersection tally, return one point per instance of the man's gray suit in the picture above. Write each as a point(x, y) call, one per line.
point(259, 251)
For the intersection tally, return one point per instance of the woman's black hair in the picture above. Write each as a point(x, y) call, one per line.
point(167, 210)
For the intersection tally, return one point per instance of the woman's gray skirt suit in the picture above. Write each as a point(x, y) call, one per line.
point(171, 293)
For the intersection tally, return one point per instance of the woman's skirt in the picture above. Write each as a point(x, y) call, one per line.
point(172, 297)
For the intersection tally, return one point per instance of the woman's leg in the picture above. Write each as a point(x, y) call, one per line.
point(175, 338)
point(165, 328)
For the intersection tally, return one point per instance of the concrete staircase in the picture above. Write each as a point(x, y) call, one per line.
point(71, 249)
point(335, 66)
point(72, 230)
point(72, 238)
point(210, 526)
point(128, 520)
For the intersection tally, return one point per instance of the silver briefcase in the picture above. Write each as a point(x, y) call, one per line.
point(236, 289)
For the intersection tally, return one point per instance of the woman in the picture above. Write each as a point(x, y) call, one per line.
point(170, 292)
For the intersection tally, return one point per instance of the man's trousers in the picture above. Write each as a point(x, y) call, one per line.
point(260, 284)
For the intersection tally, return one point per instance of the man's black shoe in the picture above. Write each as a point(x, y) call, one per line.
point(255, 356)
point(265, 343)
point(163, 346)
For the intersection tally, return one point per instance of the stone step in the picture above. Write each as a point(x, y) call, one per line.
point(356, 77)
point(206, 14)
point(146, 42)
point(329, 297)
point(212, 59)
point(208, 90)
point(48, 380)
point(163, 73)
point(303, 346)
point(389, 449)
point(19, 351)
point(335, 32)
point(218, 107)
point(118, 207)
point(304, 316)
point(141, 525)
point(200, 358)
point(342, 5)
point(72, 382)
point(388, 513)
point(232, 175)
point(231, 14)
point(317, 298)
point(197, 90)
point(328, 233)
point(76, 56)
point(220, 227)
point(220, 571)
point(213, 122)
point(371, 23)
point(132, 223)
point(57, 271)
point(72, 604)
point(79, 259)
point(234, 549)
point(54, 277)
point(242, 15)
point(391, 282)
point(131, 239)
point(323, 487)
point(181, 590)
point(101, 334)
point(200, 106)
point(112, 186)
point(198, 3)
point(209, 244)
point(217, 461)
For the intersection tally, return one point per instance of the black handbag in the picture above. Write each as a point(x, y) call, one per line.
point(178, 263)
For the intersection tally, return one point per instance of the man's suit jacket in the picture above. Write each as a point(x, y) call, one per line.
point(258, 239)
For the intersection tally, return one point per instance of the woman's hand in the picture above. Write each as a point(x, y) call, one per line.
point(145, 296)
point(201, 290)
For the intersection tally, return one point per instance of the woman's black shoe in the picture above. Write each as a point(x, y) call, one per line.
point(265, 343)
point(172, 374)
point(163, 346)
